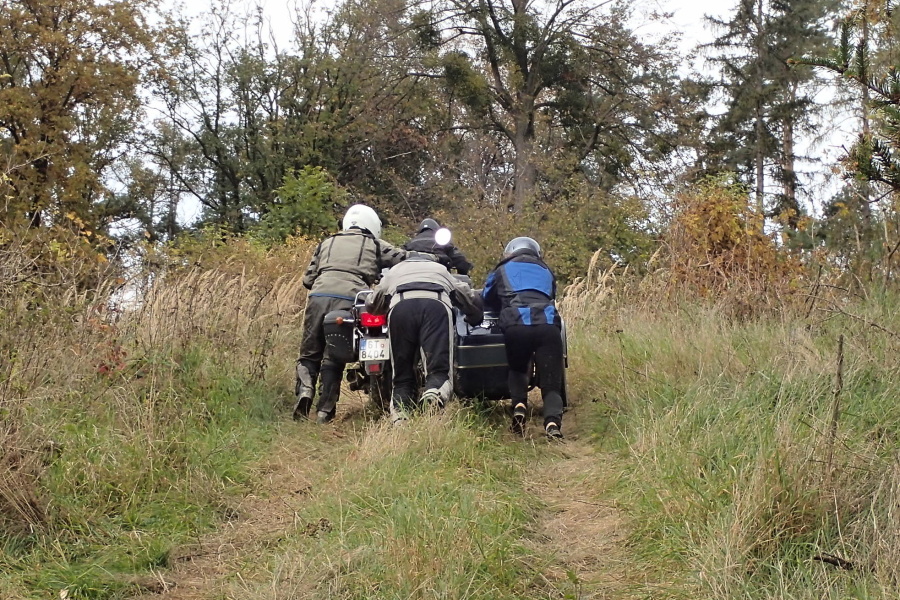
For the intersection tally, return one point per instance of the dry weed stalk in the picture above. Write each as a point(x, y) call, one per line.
point(21, 508)
point(835, 415)
point(580, 299)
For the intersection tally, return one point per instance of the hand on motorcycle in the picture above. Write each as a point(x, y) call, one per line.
point(474, 319)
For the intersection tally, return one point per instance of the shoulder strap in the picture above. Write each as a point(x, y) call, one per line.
point(378, 262)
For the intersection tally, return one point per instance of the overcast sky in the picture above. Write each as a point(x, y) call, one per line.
point(687, 14)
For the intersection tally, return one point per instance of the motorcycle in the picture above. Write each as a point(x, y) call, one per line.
point(360, 337)
point(480, 367)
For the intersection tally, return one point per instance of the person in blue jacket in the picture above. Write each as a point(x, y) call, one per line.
point(523, 289)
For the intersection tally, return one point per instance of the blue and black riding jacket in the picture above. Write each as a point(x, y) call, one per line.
point(523, 289)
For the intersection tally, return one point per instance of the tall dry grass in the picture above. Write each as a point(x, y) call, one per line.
point(111, 409)
point(47, 287)
point(742, 482)
point(243, 317)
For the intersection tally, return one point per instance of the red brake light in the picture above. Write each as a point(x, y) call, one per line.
point(370, 320)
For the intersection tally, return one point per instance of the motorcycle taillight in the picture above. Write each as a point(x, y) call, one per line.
point(370, 320)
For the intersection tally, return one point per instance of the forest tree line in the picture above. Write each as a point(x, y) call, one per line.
point(555, 118)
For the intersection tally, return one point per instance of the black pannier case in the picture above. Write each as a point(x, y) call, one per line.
point(481, 368)
point(339, 337)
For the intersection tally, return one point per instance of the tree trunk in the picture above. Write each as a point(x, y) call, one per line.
point(523, 147)
point(865, 208)
point(760, 161)
point(760, 158)
point(525, 171)
point(788, 174)
point(41, 191)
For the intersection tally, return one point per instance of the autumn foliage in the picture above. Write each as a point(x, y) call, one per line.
point(716, 248)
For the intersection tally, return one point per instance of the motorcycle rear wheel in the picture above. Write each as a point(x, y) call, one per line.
point(380, 390)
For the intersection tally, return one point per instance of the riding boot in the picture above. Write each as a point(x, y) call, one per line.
point(305, 388)
point(518, 390)
point(329, 391)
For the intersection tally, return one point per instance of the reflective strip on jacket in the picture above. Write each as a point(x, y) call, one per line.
point(424, 278)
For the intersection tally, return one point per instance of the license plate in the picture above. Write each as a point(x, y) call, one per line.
point(374, 349)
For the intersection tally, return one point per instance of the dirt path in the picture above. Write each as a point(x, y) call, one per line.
point(264, 516)
point(583, 535)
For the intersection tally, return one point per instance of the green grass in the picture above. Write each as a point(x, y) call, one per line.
point(142, 465)
point(724, 428)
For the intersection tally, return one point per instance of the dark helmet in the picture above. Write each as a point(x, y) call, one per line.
point(428, 224)
point(526, 244)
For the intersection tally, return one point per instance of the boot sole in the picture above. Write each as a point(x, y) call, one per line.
point(518, 424)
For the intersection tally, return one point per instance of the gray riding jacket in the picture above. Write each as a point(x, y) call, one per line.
point(348, 262)
point(419, 277)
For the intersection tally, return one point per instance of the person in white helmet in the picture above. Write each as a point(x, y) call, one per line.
point(342, 265)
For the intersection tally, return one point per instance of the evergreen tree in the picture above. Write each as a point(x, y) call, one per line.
point(865, 58)
point(769, 101)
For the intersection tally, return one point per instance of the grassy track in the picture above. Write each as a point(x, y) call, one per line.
point(706, 457)
point(450, 507)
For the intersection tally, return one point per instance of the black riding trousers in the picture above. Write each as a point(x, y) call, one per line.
point(543, 345)
point(313, 356)
point(419, 327)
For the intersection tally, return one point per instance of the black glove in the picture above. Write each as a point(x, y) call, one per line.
point(475, 319)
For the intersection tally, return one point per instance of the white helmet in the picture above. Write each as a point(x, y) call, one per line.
point(362, 217)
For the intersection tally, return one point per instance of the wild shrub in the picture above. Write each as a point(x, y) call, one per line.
point(214, 249)
point(571, 230)
point(305, 204)
point(51, 262)
point(716, 248)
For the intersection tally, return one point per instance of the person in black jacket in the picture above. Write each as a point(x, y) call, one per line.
point(448, 254)
point(523, 289)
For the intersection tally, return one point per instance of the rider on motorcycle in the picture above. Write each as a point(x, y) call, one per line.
point(342, 265)
point(419, 295)
point(523, 289)
point(449, 255)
